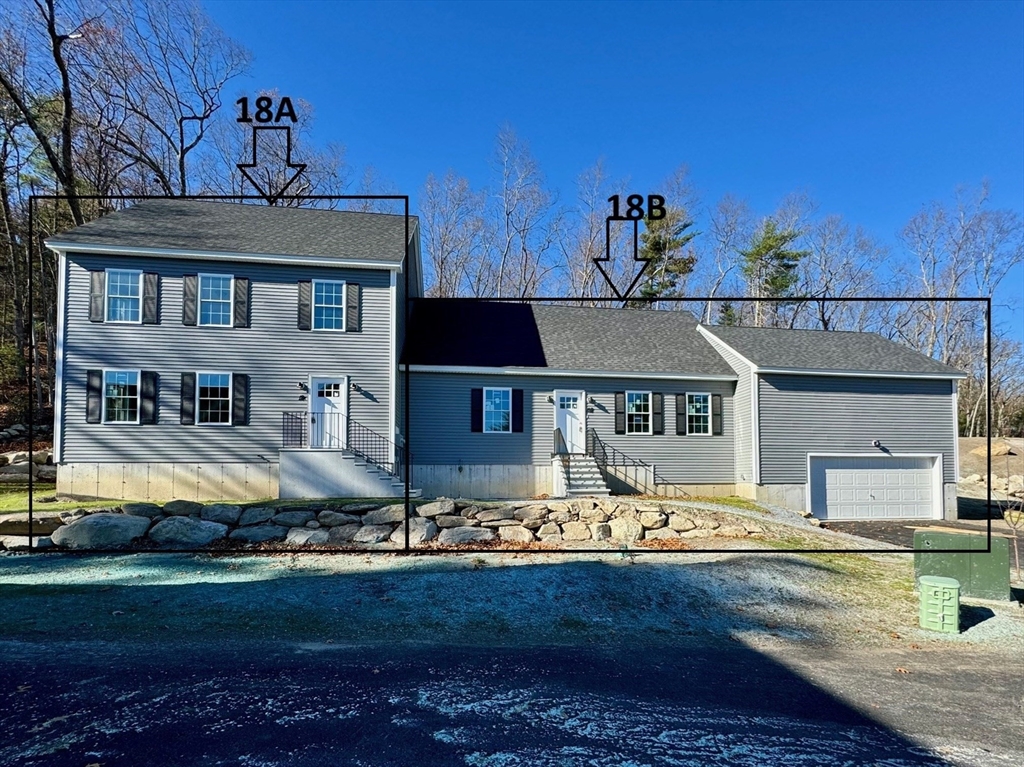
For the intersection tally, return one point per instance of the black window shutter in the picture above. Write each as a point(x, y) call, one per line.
point(716, 414)
point(149, 385)
point(476, 409)
point(305, 305)
point(188, 398)
point(239, 399)
point(620, 412)
point(97, 296)
point(188, 300)
point(681, 415)
point(150, 298)
point(94, 395)
point(351, 307)
point(241, 318)
point(657, 413)
point(517, 410)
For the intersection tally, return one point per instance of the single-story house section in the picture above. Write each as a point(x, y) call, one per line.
point(514, 400)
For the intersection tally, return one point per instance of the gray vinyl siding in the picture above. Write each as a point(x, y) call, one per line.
point(440, 428)
point(825, 414)
point(744, 434)
point(272, 351)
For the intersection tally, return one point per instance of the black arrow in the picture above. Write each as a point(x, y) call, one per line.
point(270, 195)
point(608, 256)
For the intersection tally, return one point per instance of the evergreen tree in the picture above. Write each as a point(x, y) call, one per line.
point(770, 266)
point(664, 242)
point(727, 315)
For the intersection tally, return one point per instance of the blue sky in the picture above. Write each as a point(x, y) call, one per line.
point(871, 108)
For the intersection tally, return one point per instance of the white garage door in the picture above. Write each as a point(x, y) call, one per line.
point(849, 487)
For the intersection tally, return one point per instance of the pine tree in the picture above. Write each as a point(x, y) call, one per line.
point(770, 267)
point(664, 242)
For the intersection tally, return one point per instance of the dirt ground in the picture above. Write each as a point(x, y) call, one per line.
point(1002, 465)
point(500, 660)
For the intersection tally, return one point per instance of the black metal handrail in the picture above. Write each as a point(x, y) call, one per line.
point(606, 455)
point(562, 451)
point(338, 431)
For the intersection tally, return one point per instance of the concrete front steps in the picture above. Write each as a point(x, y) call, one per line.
point(391, 486)
point(584, 477)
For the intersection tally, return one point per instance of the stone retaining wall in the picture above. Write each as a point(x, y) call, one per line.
point(440, 524)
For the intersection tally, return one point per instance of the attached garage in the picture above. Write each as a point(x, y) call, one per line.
point(875, 487)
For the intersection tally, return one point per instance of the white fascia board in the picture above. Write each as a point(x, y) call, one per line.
point(392, 362)
point(216, 255)
point(58, 393)
point(827, 372)
point(467, 370)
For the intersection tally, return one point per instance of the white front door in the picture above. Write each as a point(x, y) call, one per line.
point(571, 419)
point(327, 412)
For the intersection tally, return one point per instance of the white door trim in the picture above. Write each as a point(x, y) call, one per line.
point(937, 489)
point(582, 412)
point(311, 395)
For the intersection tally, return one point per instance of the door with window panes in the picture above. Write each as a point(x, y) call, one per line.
point(327, 413)
point(570, 418)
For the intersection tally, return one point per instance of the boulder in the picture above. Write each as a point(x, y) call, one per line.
point(594, 515)
point(517, 534)
point(358, 508)
point(454, 520)
point(549, 528)
point(46, 473)
point(67, 517)
point(531, 512)
point(625, 529)
point(998, 448)
point(313, 524)
point(100, 531)
point(679, 523)
point(973, 478)
point(560, 516)
point(142, 509)
point(733, 531)
point(752, 528)
point(699, 532)
point(575, 531)
point(493, 515)
point(182, 508)
point(457, 535)
point(343, 533)
point(444, 506)
point(420, 531)
point(20, 542)
point(660, 534)
point(554, 538)
point(299, 536)
point(43, 523)
point(707, 523)
point(42, 456)
point(469, 512)
point(533, 524)
point(499, 523)
point(255, 516)
point(260, 533)
point(558, 506)
point(581, 505)
point(387, 515)
point(652, 520)
point(185, 532)
point(16, 456)
point(600, 531)
point(17, 468)
point(372, 534)
point(225, 513)
point(293, 518)
point(336, 518)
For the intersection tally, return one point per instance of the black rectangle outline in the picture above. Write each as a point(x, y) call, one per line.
point(407, 549)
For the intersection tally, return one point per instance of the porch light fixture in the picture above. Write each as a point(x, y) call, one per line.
point(551, 398)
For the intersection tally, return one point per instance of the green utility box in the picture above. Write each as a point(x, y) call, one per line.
point(981, 575)
point(940, 604)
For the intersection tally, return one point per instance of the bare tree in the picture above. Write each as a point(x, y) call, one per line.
point(453, 228)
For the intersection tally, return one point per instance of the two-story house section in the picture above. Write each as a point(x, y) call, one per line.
point(205, 347)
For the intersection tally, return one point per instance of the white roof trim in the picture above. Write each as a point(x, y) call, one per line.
point(468, 370)
point(217, 255)
point(826, 372)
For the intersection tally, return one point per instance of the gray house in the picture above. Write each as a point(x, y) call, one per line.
point(216, 350)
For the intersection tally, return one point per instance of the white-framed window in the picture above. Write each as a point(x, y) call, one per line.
point(121, 396)
point(124, 296)
point(698, 414)
point(216, 300)
point(498, 410)
point(328, 305)
point(213, 398)
point(638, 412)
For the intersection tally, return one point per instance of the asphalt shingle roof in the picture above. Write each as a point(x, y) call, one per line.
point(496, 334)
point(196, 225)
point(827, 350)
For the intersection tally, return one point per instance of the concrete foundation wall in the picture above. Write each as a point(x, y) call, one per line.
point(706, 491)
point(788, 496)
point(950, 509)
point(483, 480)
point(158, 481)
point(332, 474)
